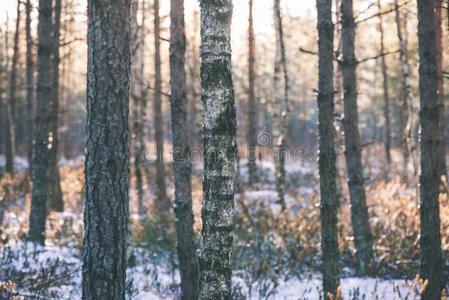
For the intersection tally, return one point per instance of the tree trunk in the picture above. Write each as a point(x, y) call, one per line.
point(280, 110)
point(107, 156)
point(138, 94)
point(353, 151)
point(387, 142)
point(30, 82)
point(188, 260)
point(55, 200)
point(431, 257)
point(327, 156)
point(406, 90)
point(11, 106)
point(442, 106)
point(42, 125)
point(252, 106)
point(162, 202)
point(219, 150)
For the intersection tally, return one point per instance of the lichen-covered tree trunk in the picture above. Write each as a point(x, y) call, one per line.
point(353, 149)
point(217, 95)
point(107, 156)
point(441, 99)
point(162, 203)
point(252, 105)
point(42, 125)
point(386, 110)
point(280, 105)
point(11, 106)
point(405, 122)
point(327, 156)
point(29, 82)
point(55, 200)
point(188, 259)
point(431, 159)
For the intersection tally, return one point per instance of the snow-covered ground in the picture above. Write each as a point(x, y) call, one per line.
point(54, 272)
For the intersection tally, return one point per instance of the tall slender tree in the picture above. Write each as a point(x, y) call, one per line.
point(406, 89)
point(252, 105)
point(42, 125)
point(220, 149)
point(11, 106)
point(386, 95)
point(55, 199)
point(327, 156)
point(188, 259)
point(353, 149)
point(161, 197)
point(280, 109)
point(431, 159)
point(29, 81)
point(107, 156)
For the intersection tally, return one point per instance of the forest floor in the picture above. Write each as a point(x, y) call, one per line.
point(276, 253)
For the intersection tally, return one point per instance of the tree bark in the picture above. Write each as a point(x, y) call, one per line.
point(42, 125)
point(406, 90)
point(220, 149)
point(327, 157)
point(30, 82)
point(387, 142)
point(431, 159)
point(162, 202)
point(353, 151)
point(107, 156)
point(252, 106)
point(281, 104)
point(441, 99)
point(55, 200)
point(188, 260)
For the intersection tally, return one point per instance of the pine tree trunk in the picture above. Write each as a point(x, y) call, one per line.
point(406, 90)
point(442, 104)
point(387, 142)
point(327, 156)
point(30, 82)
point(280, 109)
point(188, 260)
point(431, 257)
point(107, 156)
point(55, 200)
point(252, 106)
point(353, 150)
point(162, 203)
point(11, 106)
point(42, 125)
point(217, 95)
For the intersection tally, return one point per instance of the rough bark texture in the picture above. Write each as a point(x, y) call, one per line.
point(29, 81)
point(327, 156)
point(280, 110)
point(441, 99)
point(217, 95)
point(353, 151)
point(11, 106)
point(107, 166)
point(162, 203)
point(188, 260)
point(406, 90)
point(55, 201)
point(431, 257)
point(387, 142)
point(252, 106)
point(42, 125)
